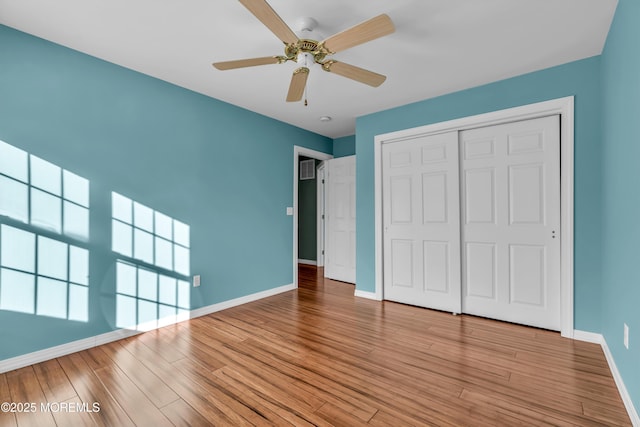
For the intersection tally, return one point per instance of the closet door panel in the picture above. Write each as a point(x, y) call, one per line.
point(421, 222)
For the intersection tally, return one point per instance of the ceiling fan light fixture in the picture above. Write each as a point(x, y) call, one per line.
point(304, 59)
point(308, 47)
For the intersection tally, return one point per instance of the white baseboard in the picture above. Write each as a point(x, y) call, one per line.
point(307, 261)
point(28, 359)
point(588, 337)
point(631, 410)
point(18, 362)
point(367, 295)
point(203, 311)
point(622, 389)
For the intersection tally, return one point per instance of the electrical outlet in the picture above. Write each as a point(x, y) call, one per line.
point(626, 336)
point(196, 280)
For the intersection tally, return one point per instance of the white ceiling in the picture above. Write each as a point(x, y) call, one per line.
point(440, 46)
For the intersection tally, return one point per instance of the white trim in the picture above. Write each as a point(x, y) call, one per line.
point(86, 343)
point(367, 295)
point(203, 311)
point(320, 205)
point(622, 389)
point(64, 349)
point(624, 394)
point(297, 152)
point(591, 337)
point(307, 261)
point(562, 106)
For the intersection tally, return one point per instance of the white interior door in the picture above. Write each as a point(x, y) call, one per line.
point(421, 222)
point(340, 187)
point(510, 196)
point(320, 215)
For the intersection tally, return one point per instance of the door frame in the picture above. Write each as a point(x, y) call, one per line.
point(562, 106)
point(320, 214)
point(297, 152)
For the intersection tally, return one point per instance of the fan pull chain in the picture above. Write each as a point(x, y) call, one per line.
point(306, 104)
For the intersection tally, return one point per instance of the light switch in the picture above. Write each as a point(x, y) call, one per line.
point(289, 211)
point(196, 280)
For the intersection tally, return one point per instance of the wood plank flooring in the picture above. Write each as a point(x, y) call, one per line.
point(319, 356)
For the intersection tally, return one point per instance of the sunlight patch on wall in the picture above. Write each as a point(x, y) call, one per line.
point(43, 276)
point(39, 193)
point(146, 235)
point(39, 274)
point(147, 300)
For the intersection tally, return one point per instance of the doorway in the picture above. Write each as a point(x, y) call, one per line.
point(301, 153)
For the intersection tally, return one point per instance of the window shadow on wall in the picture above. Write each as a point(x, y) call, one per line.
point(44, 211)
point(152, 285)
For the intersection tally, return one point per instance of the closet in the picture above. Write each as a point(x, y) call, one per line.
point(471, 221)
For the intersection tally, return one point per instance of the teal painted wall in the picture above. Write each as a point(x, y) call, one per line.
point(177, 152)
point(307, 217)
point(345, 146)
point(621, 199)
point(582, 79)
point(188, 156)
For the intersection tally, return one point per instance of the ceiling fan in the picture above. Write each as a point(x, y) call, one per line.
point(307, 51)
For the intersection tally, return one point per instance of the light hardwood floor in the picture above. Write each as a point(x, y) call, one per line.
point(320, 356)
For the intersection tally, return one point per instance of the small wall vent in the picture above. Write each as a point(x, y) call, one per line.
point(307, 169)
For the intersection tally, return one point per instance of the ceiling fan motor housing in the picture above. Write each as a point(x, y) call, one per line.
point(313, 47)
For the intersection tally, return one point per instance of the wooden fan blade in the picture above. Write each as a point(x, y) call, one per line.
point(266, 15)
point(298, 83)
point(354, 73)
point(366, 31)
point(242, 63)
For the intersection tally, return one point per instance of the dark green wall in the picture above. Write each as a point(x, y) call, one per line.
point(307, 217)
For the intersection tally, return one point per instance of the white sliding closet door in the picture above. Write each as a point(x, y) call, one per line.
point(421, 222)
point(340, 254)
point(511, 217)
point(472, 221)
